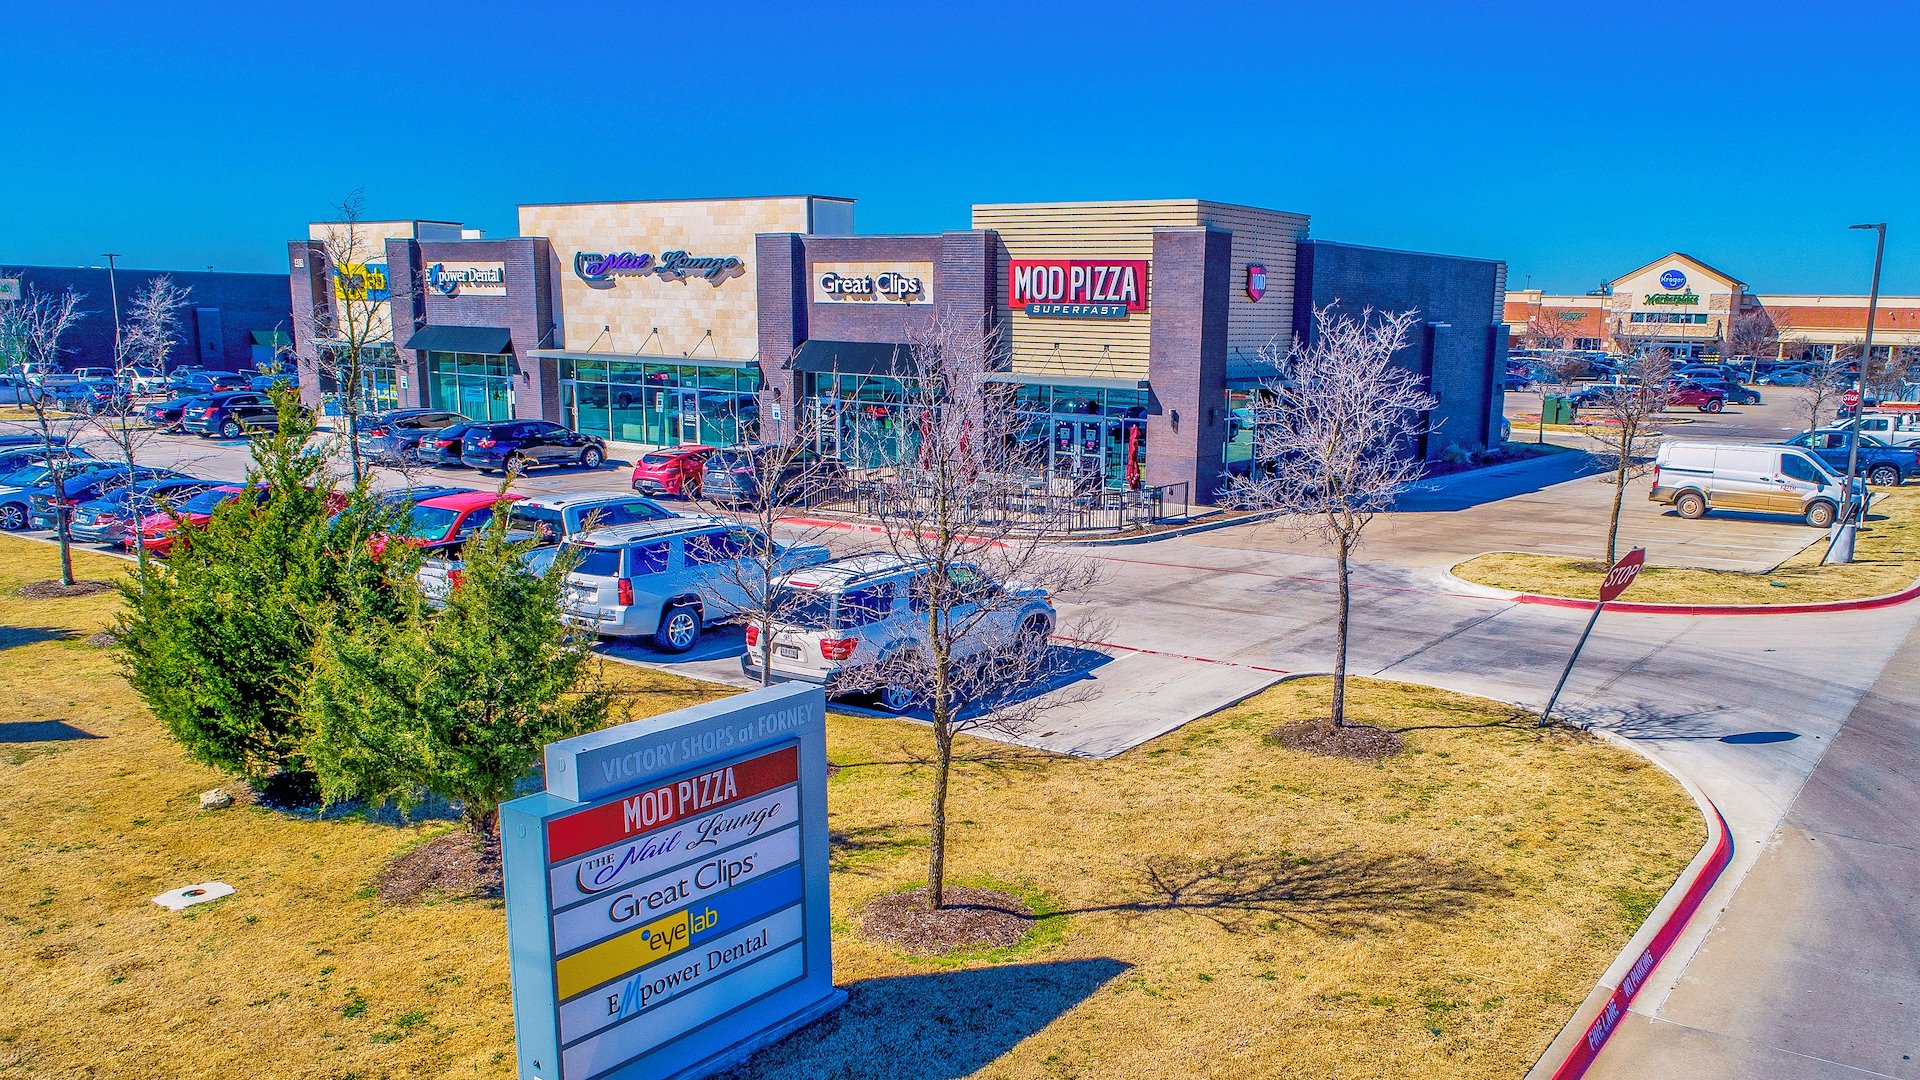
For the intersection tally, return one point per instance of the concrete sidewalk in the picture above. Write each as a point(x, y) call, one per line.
point(1813, 969)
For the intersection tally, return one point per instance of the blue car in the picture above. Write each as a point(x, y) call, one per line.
point(1883, 464)
point(109, 519)
point(18, 488)
point(44, 509)
point(14, 457)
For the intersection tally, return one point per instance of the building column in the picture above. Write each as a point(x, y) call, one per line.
point(1187, 360)
point(781, 288)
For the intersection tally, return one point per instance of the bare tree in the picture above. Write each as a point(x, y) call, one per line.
point(780, 474)
point(355, 324)
point(31, 328)
point(147, 339)
point(1629, 418)
point(983, 573)
point(1332, 443)
point(1827, 380)
point(1753, 334)
point(1549, 331)
point(1557, 372)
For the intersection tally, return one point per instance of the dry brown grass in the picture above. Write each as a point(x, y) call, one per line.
point(1210, 905)
point(1886, 560)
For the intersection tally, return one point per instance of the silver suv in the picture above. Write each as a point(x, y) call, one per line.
point(669, 579)
point(840, 623)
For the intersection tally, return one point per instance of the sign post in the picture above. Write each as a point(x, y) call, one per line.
point(667, 893)
point(1619, 576)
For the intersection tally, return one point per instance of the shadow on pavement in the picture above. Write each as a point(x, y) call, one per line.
point(935, 1026)
point(1459, 491)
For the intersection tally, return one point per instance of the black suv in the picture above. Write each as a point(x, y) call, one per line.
point(523, 444)
point(230, 415)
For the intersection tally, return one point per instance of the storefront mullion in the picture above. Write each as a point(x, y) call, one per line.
point(660, 404)
point(478, 386)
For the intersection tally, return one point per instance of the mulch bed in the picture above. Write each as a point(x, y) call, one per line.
point(53, 590)
point(972, 919)
point(1357, 742)
point(456, 866)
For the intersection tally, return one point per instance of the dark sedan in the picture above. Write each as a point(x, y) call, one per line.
point(230, 415)
point(109, 519)
point(737, 474)
point(445, 447)
point(396, 436)
point(166, 415)
point(522, 444)
point(44, 509)
point(207, 382)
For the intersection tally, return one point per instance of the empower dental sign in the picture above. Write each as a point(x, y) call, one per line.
point(666, 895)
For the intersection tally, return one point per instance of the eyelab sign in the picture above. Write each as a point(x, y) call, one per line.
point(468, 279)
point(1078, 288)
point(667, 892)
point(594, 267)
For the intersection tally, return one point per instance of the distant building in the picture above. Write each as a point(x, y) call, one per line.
point(231, 322)
point(1690, 309)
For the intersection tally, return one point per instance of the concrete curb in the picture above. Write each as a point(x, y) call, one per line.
point(1626, 607)
point(1580, 1041)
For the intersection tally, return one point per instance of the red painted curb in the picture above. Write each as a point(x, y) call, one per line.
point(1584, 1052)
point(1630, 608)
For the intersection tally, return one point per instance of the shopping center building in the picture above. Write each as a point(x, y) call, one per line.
point(1690, 309)
point(1134, 332)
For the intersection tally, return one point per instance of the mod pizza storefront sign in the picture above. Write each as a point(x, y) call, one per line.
point(1077, 288)
point(667, 893)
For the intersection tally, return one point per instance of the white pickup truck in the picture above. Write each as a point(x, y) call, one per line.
point(1897, 429)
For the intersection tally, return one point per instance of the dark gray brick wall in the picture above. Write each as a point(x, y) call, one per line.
point(1187, 359)
point(526, 311)
point(242, 302)
point(1463, 360)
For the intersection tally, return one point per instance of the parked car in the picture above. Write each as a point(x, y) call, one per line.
point(1699, 395)
point(1588, 397)
point(88, 374)
point(1897, 430)
point(166, 416)
point(159, 530)
point(1883, 464)
point(45, 508)
point(274, 380)
point(395, 436)
point(673, 471)
point(1695, 477)
point(546, 520)
point(18, 488)
point(733, 476)
point(443, 522)
point(844, 620)
point(141, 381)
point(523, 444)
point(230, 415)
point(666, 580)
point(207, 382)
point(1734, 392)
point(21, 454)
point(109, 519)
point(446, 446)
point(96, 396)
point(1788, 376)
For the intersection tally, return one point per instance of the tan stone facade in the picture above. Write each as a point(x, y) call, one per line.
point(651, 314)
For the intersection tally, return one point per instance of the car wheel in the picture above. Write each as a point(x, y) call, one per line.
point(689, 489)
point(1691, 505)
point(894, 699)
point(229, 428)
point(591, 457)
point(679, 629)
point(1820, 515)
point(518, 463)
point(13, 517)
point(1033, 636)
point(1883, 476)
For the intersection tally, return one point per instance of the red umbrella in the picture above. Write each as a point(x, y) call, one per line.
point(1133, 457)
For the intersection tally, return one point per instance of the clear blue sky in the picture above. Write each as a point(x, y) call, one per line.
point(1574, 141)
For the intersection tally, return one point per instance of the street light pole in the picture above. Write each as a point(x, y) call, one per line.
point(1842, 547)
point(113, 288)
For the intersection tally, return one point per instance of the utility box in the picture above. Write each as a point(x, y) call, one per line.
point(1556, 409)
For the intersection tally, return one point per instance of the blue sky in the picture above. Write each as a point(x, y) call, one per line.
point(1572, 143)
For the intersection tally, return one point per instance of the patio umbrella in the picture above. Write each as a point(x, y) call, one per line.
point(1133, 457)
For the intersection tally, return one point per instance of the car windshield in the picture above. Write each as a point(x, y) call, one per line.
point(542, 521)
point(596, 561)
point(808, 609)
point(658, 460)
point(26, 477)
point(627, 512)
point(204, 502)
point(431, 522)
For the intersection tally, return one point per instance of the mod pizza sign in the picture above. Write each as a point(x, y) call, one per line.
point(1078, 288)
point(666, 895)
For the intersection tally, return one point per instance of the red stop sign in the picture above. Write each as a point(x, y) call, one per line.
point(1851, 398)
point(1622, 574)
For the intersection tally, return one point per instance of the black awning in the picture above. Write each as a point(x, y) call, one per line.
point(857, 358)
point(273, 339)
point(493, 340)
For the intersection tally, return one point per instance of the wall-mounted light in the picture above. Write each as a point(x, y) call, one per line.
point(1174, 419)
point(1213, 416)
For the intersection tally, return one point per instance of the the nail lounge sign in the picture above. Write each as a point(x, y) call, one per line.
point(596, 267)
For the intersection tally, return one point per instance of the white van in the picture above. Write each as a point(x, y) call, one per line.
point(1695, 477)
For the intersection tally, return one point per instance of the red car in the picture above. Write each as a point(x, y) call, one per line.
point(157, 530)
point(1704, 398)
point(674, 471)
point(447, 520)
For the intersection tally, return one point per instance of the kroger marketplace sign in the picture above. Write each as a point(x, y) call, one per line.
point(667, 893)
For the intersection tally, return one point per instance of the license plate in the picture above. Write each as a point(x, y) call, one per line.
point(787, 652)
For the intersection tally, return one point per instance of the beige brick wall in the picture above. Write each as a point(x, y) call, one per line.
point(631, 306)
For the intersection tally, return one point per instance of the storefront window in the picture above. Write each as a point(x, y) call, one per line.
point(478, 386)
point(661, 404)
point(379, 388)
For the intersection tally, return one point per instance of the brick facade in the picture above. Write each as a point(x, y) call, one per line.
point(216, 324)
point(526, 311)
point(1186, 417)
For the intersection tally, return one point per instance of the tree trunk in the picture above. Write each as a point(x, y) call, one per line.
point(1619, 493)
point(937, 832)
point(60, 528)
point(1343, 548)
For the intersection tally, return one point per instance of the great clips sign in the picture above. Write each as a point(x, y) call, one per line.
point(1078, 288)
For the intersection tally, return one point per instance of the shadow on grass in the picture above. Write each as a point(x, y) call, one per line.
point(12, 637)
point(29, 731)
point(851, 850)
point(936, 1026)
point(1339, 892)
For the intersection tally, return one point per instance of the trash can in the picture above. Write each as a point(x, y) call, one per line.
point(1556, 409)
